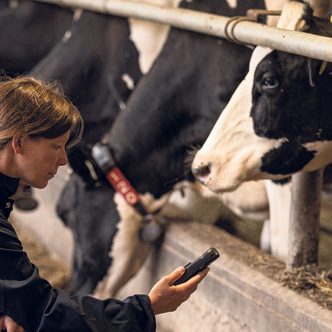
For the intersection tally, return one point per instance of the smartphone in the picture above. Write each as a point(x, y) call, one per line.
point(198, 265)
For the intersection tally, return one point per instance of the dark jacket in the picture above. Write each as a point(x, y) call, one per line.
point(36, 306)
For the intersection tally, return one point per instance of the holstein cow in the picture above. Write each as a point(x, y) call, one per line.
point(277, 122)
point(93, 240)
point(97, 65)
point(172, 109)
point(108, 72)
point(28, 32)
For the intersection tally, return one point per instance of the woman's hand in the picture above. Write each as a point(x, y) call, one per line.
point(166, 297)
point(7, 324)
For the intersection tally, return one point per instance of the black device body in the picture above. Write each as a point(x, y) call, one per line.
point(198, 265)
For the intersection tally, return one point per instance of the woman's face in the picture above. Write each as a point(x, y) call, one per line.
point(40, 159)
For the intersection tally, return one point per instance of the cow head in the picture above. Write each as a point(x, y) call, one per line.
point(278, 121)
point(91, 215)
point(175, 105)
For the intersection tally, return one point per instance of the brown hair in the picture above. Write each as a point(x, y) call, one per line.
point(32, 107)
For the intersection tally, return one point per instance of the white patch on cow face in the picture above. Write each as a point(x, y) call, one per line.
point(129, 81)
point(233, 151)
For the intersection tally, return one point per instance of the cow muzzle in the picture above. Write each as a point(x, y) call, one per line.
point(218, 175)
point(202, 172)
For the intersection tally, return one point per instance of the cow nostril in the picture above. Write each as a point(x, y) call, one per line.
point(202, 171)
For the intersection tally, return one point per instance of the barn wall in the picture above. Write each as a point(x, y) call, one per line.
point(234, 297)
point(44, 222)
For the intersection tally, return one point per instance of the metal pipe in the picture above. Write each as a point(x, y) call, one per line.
point(304, 223)
point(246, 32)
point(304, 219)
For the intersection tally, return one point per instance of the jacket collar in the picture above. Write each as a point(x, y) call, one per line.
point(8, 187)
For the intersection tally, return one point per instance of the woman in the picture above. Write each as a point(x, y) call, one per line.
point(37, 126)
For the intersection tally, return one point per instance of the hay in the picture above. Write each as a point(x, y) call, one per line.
point(50, 267)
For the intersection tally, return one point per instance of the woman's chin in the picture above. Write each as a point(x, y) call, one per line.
point(39, 184)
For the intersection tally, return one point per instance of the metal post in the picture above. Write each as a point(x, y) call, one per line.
point(304, 223)
point(309, 45)
point(304, 219)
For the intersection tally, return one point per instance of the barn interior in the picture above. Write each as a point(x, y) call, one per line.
point(248, 288)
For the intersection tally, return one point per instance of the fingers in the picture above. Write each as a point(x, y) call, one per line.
point(175, 275)
point(193, 282)
point(10, 325)
point(165, 296)
point(201, 275)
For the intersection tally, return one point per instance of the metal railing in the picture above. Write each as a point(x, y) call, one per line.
point(244, 31)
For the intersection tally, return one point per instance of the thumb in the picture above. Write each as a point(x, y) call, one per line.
point(176, 274)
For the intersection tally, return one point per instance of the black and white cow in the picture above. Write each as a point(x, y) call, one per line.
point(28, 32)
point(93, 232)
point(172, 109)
point(97, 65)
point(277, 122)
point(99, 84)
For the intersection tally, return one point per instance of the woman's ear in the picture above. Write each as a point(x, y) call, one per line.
point(17, 143)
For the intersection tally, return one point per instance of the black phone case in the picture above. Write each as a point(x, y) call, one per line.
point(198, 265)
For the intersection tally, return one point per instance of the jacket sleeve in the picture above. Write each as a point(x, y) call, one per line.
point(36, 306)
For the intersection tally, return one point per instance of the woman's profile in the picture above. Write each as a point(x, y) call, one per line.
point(37, 126)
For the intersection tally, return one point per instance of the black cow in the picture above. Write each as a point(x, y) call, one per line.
point(172, 109)
point(28, 32)
point(93, 64)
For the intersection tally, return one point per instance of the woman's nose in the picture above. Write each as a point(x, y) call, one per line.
point(63, 159)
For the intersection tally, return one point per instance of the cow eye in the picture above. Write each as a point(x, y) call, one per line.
point(270, 82)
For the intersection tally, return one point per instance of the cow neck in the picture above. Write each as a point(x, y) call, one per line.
point(105, 160)
point(122, 185)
